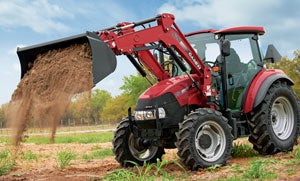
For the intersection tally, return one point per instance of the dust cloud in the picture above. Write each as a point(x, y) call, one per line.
point(44, 93)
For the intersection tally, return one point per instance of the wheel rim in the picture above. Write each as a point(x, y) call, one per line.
point(210, 141)
point(282, 118)
point(138, 152)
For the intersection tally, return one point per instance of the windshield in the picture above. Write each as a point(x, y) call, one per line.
point(206, 46)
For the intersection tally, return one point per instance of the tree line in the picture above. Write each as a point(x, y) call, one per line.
point(99, 106)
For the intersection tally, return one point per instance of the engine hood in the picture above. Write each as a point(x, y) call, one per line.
point(175, 85)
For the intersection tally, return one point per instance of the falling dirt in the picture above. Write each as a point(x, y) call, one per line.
point(44, 93)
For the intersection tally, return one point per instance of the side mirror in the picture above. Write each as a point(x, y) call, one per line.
point(272, 55)
point(225, 47)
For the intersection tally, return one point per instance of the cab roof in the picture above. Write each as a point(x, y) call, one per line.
point(234, 30)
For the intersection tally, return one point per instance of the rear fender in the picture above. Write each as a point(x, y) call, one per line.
point(260, 85)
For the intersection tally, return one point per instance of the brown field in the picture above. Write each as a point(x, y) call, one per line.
point(46, 166)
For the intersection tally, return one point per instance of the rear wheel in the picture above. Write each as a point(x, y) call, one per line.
point(128, 150)
point(275, 124)
point(204, 139)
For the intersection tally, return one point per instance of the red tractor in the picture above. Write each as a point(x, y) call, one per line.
point(212, 87)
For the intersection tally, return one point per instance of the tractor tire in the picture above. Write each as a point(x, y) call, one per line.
point(274, 126)
point(127, 150)
point(204, 139)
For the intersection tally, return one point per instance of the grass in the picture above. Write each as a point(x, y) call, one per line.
point(7, 162)
point(243, 150)
point(290, 171)
point(147, 172)
point(70, 138)
point(296, 157)
point(8, 131)
point(98, 154)
point(64, 158)
point(120, 174)
point(4, 154)
point(213, 168)
point(296, 153)
point(259, 169)
point(74, 138)
point(30, 156)
point(237, 168)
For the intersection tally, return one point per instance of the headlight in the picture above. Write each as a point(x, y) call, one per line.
point(149, 114)
point(138, 115)
point(161, 112)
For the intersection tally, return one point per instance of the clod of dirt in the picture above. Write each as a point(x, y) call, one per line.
point(44, 93)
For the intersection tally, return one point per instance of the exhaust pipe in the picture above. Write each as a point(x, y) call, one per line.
point(103, 58)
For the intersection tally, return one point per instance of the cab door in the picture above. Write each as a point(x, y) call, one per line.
point(243, 63)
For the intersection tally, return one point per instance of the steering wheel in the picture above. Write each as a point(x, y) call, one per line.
point(171, 67)
point(246, 68)
point(250, 63)
point(244, 72)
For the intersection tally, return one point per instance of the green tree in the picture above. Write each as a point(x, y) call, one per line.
point(87, 107)
point(115, 109)
point(292, 68)
point(98, 101)
point(133, 86)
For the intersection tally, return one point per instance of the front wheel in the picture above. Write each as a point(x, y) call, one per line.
point(204, 139)
point(128, 151)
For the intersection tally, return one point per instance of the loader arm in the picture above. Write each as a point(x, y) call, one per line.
point(125, 39)
point(135, 42)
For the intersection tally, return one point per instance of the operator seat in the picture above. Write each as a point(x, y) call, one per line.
point(233, 62)
point(234, 67)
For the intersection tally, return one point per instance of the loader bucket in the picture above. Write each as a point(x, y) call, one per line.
point(103, 59)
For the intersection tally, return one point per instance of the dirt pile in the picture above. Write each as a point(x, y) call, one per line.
point(44, 93)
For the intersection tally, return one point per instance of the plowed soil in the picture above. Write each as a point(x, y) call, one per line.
point(45, 167)
point(45, 91)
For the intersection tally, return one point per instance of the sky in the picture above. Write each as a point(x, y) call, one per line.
point(29, 22)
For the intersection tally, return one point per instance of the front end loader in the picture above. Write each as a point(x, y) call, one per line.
point(211, 88)
point(103, 59)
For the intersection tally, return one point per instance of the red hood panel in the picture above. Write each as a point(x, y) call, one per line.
point(174, 85)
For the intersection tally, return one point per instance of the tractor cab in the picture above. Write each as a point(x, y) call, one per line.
point(234, 67)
